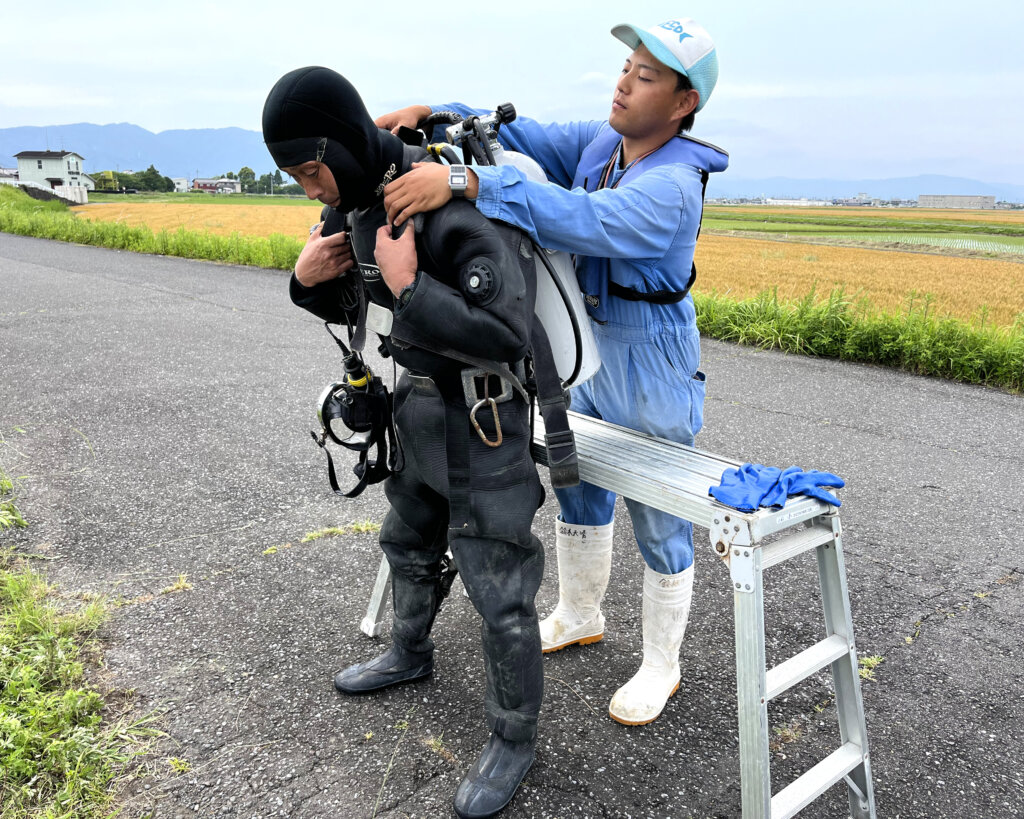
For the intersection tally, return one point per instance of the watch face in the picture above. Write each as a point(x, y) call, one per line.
point(458, 179)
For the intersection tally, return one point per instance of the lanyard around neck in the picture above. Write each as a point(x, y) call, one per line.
point(612, 161)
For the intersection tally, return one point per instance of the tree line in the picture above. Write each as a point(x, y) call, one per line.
point(267, 183)
point(148, 180)
point(152, 180)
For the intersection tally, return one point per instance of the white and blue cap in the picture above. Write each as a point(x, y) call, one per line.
point(684, 46)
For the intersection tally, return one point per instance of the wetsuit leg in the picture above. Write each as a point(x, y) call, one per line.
point(502, 563)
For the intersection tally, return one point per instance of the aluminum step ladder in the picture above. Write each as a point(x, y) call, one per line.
point(756, 685)
point(676, 478)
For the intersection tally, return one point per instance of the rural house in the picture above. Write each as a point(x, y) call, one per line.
point(53, 169)
point(60, 171)
point(221, 185)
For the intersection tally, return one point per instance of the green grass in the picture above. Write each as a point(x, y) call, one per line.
point(62, 749)
point(735, 219)
point(840, 327)
point(24, 216)
point(10, 515)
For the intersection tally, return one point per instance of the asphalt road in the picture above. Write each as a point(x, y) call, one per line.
point(160, 408)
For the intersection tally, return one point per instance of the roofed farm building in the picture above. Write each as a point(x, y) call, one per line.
point(59, 171)
point(53, 169)
point(222, 185)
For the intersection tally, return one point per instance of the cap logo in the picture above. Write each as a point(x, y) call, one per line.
point(677, 27)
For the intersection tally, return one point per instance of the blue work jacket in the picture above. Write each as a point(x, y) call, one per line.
point(639, 231)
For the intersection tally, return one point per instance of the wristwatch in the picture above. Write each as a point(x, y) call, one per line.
point(405, 295)
point(458, 180)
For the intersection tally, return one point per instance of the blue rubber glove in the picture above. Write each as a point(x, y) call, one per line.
point(746, 487)
point(754, 485)
point(795, 481)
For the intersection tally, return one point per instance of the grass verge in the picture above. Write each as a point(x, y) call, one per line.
point(22, 215)
point(840, 327)
point(63, 748)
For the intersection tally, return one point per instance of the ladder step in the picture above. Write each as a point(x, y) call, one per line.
point(791, 545)
point(787, 674)
point(810, 785)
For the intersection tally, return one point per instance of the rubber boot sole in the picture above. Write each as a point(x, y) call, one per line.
point(643, 721)
point(579, 641)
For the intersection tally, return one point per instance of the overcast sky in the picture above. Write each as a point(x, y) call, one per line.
point(853, 90)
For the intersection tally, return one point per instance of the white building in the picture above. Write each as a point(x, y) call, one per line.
point(53, 169)
point(956, 201)
point(800, 203)
point(180, 184)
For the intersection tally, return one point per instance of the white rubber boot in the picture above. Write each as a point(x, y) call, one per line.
point(666, 608)
point(584, 565)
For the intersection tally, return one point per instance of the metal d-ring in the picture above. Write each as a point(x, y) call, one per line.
point(476, 424)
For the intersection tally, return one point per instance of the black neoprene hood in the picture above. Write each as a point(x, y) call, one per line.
point(314, 113)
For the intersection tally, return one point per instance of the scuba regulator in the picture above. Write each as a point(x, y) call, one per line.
point(357, 413)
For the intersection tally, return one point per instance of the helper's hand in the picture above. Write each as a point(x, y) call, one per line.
point(396, 258)
point(323, 258)
point(409, 117)
point(423, 188)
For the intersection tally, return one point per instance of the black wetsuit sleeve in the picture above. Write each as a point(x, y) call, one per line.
point(480, 304)
point(335, 300)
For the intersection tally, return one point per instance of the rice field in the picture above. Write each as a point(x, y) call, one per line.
point(220, 219)
point(1007, 217)
point(737, 267)
point(961, 287)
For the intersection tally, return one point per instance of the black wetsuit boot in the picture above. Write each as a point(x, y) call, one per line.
point(515, 677)
point(411, 656)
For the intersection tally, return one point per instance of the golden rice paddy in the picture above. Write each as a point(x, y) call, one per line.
point(1011, 217)
point(224, 220)
point(959, 287)
point(733, 266)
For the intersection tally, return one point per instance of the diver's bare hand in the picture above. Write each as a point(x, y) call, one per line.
point(410, 117)
point(323, 258)
point(396, 258)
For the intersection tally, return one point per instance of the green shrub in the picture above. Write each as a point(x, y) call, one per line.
point(841, 327)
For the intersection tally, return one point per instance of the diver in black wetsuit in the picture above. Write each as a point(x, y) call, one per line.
point(460, 285)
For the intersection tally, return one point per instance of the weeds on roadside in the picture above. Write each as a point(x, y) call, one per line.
point(61, 748)
point(844, 327)
point(10, 515)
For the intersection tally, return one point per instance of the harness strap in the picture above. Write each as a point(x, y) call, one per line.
point(409, 336)
point(456, 440)
point(663, 296)
point(559, 441)
point(367, 470)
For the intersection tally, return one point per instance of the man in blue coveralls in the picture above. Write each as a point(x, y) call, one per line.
point(626, 199)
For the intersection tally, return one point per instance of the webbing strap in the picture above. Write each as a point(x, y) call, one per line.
point(457, 435)
point(558, 438)
point(664, 296)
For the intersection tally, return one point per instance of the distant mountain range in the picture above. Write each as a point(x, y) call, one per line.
point(213, 151)
point(202, 152)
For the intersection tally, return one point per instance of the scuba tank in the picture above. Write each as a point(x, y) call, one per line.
point(559, 305)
